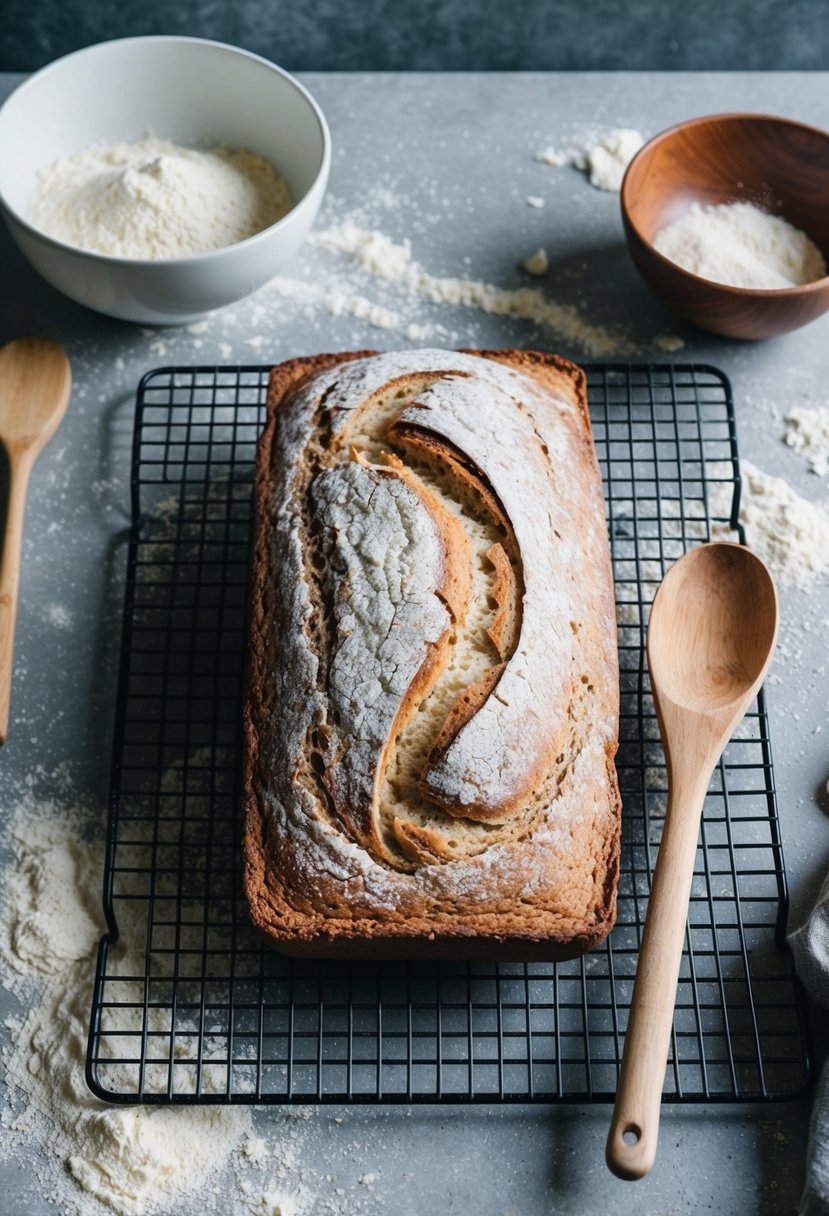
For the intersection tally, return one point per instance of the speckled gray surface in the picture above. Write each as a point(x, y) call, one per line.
point(445, 35)
point(412, 160)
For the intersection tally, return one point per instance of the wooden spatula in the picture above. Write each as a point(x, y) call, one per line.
point(35, 382)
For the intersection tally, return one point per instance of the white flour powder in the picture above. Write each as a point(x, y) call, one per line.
point(790, 533)
point(604, 159)
point(376, 254)
point(155, 199)
point(742, 246)
point(808, 434)
point(134, 1159)
point(55, 872)
point(605, 162)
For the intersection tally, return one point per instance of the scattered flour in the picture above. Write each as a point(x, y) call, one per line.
point(808, 434)
point(376, 254)
point(742, 246)
point(59, 616)
point(130, 1159)
point(549, 156)
point(537, 263)
point(604, 159)
point(90, 1157)
point(271, 1203)
point(155, 199)
point(338, 300)
point(55, 871)
point(364, 310)
point(790, 533)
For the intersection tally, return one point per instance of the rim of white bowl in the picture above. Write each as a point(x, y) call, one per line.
point(223, 250)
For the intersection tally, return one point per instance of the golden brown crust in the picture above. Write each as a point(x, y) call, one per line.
point(330, 921)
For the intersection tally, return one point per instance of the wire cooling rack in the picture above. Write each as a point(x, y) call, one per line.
point(191, 1006)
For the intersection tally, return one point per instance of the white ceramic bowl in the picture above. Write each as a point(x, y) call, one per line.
point(193, 92)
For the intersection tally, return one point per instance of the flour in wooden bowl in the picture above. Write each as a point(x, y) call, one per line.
point(739, 245)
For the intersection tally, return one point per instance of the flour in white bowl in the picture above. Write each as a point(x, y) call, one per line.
point(740, 245)
point(155, 199)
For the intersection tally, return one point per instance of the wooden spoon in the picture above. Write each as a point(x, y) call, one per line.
point(712, 632)
point(35, 382)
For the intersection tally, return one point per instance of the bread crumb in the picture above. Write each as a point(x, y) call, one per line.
point(668, 342)
point(535, 200)
point(537, 263)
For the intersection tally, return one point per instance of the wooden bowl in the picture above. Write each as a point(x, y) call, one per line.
point(779, 165)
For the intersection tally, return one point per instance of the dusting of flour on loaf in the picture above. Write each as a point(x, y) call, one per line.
point(740, 245)
point(790, 533)
point(156, 199)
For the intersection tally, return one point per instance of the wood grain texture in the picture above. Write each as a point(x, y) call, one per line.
point(35, 382)
point(711, 637)
point(779, 165)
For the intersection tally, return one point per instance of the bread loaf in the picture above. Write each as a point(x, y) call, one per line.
point(432, 695)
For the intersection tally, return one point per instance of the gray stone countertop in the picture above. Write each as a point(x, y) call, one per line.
point(448, 162)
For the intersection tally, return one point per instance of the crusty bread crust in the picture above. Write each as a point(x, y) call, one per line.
point(316, 892)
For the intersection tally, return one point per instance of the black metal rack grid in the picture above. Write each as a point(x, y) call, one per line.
point(190, 1006)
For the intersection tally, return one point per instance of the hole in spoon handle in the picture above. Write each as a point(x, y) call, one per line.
point(631, 1148)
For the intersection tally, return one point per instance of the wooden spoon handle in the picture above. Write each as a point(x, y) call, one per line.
point(634, 1128)
point(20, 466)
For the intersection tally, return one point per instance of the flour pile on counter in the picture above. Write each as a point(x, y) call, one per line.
point(604, 159)
point(808, 434)
point(155, 199)
point(739, 245)
point(56, 872)
point(94, 1157)
point(790, 533)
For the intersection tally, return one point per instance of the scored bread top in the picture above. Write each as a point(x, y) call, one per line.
point(433, 693)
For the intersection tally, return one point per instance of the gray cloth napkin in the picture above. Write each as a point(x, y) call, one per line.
point(810, 946)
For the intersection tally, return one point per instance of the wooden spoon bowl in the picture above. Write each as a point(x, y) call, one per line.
point(779, 165)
